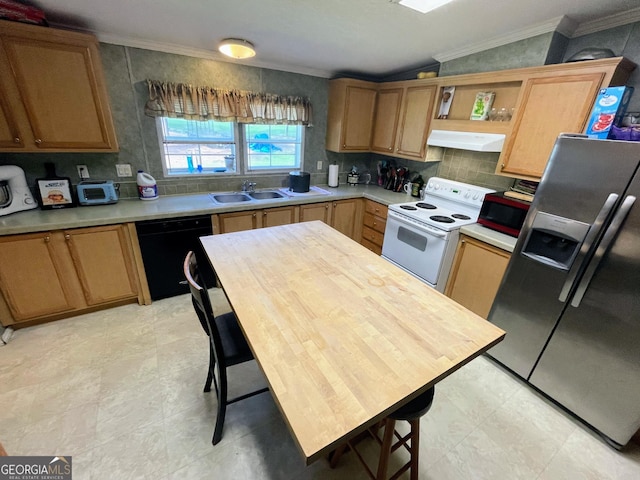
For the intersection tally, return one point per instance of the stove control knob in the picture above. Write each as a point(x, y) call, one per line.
point(476, 196)
point(467, 194)
point(436, 186)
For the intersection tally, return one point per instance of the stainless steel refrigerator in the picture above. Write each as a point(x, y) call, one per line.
point(570, 298)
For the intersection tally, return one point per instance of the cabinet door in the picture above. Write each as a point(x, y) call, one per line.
point(550, 106)
point(237, 221)
point(476, 274)
point(414, 123)
point(344, 216)
point(10, 136)
point(32, 279)
point(61, 89)
point(358, 118)
point(272, 217)
point(315, 211)
point(104, 263)
point(385, 125)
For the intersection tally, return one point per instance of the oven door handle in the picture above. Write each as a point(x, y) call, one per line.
point(419, 227)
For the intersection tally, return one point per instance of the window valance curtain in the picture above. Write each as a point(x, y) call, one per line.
point(180, 100)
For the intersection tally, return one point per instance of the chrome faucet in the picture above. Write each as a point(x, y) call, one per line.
point(248, 186)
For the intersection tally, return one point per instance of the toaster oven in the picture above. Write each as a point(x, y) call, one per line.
point(97, 192)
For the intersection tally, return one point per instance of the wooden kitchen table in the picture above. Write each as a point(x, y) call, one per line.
point(342, 336)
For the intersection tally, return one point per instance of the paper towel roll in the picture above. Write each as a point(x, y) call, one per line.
point(333, 176)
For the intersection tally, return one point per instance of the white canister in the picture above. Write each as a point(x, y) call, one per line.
point(147, 188)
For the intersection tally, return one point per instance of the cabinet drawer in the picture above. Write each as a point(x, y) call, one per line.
point(376, 223)
point(377, 249)
point(372, 235)
point(375, 208)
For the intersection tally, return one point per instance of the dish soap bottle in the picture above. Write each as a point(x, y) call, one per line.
point(147, 188)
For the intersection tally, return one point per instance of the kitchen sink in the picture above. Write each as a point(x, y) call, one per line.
point(265, 195)
point(230, 197)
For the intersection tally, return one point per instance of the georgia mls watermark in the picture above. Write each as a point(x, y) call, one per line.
point(35, 468)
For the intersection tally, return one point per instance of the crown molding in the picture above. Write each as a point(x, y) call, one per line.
point(562, 25)
point(134, 42)
point(206, 54)
point(612, 21)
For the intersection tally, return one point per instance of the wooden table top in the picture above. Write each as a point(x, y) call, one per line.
point(343, 336)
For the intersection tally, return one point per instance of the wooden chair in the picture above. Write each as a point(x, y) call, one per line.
point(411, 412)
point(227, 345)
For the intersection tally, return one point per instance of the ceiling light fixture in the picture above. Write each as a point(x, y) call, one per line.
point(424, 6)
point(236, 48)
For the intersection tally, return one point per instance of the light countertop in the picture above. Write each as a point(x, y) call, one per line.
point(484, 234)
point(172, 206)
point(335, 328)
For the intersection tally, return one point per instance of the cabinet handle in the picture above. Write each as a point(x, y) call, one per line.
point(326, 207)
point(254, 215)
point(375, 224)
point(67, 237)
point(390, 148)
point(502, 167)
point(47, 239)
point(264, 214)
point(462, 241)
point(16, 140)
point(38, 141)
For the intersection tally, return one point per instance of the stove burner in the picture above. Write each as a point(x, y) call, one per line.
point(408, 207)
point(426, 206)
point(442, 219)
point(460, 216)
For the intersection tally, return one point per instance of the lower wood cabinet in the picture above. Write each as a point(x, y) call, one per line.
point(45, 275)
point(343, 215)
point(250, 219)
point(374, 223)
point(346, 217)
point(476, 274)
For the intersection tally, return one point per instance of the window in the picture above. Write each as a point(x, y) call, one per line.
point(192, 147)
point(273, 147)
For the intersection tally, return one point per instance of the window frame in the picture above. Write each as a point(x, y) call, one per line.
point(241, 144)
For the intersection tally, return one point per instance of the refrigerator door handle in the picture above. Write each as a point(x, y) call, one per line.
point(589, 240)
point(607, 239)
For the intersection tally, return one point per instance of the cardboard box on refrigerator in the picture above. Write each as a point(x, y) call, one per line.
point(608, 109)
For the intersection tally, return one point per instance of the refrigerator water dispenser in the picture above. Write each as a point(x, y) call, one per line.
point(554, 241)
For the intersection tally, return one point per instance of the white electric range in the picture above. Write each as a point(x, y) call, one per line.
point(421, 236)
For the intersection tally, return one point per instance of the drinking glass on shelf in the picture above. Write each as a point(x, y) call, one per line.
point(493, 115)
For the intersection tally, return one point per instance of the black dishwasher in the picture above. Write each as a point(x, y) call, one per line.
point(164, 245)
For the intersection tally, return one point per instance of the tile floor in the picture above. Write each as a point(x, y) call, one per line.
point(121, 392)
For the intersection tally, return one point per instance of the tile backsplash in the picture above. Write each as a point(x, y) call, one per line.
point(477, 168)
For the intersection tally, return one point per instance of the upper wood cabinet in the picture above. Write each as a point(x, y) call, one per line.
point(385, 125)
point(403, 114)
point(350, 115)
point(55, 99)
point(549, 106)
point(542, 102)
point(415, 118)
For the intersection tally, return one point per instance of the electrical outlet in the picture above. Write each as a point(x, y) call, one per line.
point(123, 170)
point(83, 172)
point(319, 165)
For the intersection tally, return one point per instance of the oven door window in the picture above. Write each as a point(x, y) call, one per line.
point(415, 249)
point(412, 239)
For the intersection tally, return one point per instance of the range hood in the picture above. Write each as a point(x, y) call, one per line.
point(479, 142)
